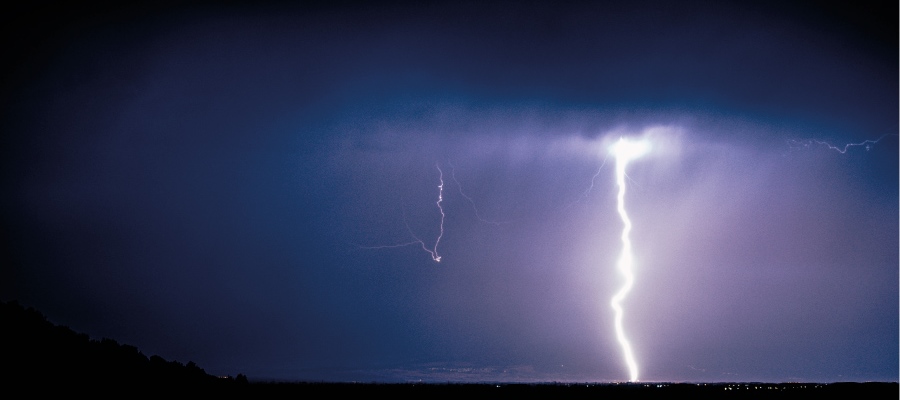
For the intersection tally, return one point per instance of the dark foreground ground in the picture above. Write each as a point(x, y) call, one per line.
point(39, 358)
point(868, 390)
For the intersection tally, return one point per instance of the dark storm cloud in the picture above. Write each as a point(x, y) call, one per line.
point(198, 181)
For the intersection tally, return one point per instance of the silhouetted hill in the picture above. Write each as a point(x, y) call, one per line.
point(40, 355)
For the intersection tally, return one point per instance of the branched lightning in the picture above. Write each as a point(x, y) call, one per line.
point(593, 178)
point(434, 250)
point(625, 151)
point(843, 150)
point(472, 202)
point(591, 186)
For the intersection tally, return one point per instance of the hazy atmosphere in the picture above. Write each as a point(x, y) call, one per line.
point(232, 185)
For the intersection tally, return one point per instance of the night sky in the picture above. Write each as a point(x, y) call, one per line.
point(211, 183)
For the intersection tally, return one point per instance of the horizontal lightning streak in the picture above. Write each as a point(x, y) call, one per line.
point(843, 150)
point(391, 246)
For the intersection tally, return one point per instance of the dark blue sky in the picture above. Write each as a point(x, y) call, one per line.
point(203, 182)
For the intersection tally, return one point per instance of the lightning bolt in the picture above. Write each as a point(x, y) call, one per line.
point(434, 253)
point(843, 150)
point(625, 151)
point(434, 250)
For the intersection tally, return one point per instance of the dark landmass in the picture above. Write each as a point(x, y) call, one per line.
point(43, 357)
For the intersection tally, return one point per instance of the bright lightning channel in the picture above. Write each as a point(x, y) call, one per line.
point(625, 151)
point(434, 250)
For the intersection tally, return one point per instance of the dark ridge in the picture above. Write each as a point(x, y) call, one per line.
point(42, 356)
